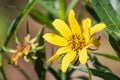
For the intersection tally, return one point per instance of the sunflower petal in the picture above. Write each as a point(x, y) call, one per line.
point(55, 39)
point(75, 27)
point(97, 28)
point(62, 27)
point(60, 51)
point(67, 59)
point(94, 42)
point(86, 24)
point(83, 56)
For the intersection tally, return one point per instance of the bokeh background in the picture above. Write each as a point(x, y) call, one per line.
point(9, 11)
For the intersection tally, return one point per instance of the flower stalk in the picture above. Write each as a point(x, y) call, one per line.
point(89, 72)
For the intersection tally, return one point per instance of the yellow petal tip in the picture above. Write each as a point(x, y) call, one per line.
point(83, 62)
point(71, 13)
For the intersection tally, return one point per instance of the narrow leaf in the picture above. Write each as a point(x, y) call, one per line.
point(111, 19)
point(53, 72)
point(102, 71)
point(40, 38)
point(43, 19)
point(15, 25)
point(62, 9)
point(8, 50)
point(99, 66)
point(93, 13)
point(115, 44)
point(106, 55)
point(1, 75)
point(13, 28)
point(48, 7)
point(104, 75)
point(40, 64)
point(79, 68)
point(104, 7)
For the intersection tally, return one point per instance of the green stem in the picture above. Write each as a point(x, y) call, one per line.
point(61, 74)
point(89, 72)
point(19, 20)
point(106, 55)
point(2, 74)
point(10, 33)
point(62, 9)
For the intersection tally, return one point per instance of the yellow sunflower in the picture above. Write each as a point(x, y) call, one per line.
point(74, 40)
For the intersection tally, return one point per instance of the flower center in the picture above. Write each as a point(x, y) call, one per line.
point(76, 42)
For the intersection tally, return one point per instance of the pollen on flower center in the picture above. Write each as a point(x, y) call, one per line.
point(76, 42)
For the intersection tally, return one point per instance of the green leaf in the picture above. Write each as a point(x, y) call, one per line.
point(53, 72)
point(104, 75)
point(102, 71)
point(43, 19)
point(104, 7)
point(114, 38)
point(62, 9)
point(2, 73)
point(99, 66)
point(115, 44)
point(107, 55)
point(16, 23)
point(109, 16)
point(49, 6)
point(79, 68)
point(40, 62)
point(39, 36)
point(69, 73)
point(93, 13)
point(114, 31)
point(14, 27)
